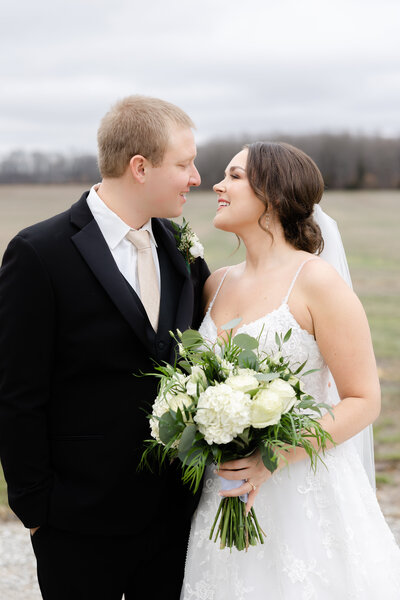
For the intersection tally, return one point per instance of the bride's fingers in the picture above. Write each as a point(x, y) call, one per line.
point(250, 501)
point(239, 491)
point(231, 474)
point(241, 463)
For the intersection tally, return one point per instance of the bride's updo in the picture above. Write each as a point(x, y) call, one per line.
point(288, 183)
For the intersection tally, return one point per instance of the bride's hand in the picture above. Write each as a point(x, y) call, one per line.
point(251, 469)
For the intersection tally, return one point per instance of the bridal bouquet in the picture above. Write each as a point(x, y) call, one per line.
point(225, 402)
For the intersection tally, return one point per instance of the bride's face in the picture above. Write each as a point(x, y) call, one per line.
point(238, 206)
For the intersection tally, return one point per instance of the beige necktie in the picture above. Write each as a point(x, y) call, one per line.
point(148, 283)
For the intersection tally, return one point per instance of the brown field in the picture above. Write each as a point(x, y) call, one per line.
point(370, 227)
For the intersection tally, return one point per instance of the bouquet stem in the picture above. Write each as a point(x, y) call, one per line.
point(235, 528)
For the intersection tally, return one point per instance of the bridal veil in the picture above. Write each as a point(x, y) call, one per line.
point(334, 254)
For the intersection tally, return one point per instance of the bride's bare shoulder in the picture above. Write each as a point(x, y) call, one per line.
point(323, 285)
point(212, 283)
point(318, 273)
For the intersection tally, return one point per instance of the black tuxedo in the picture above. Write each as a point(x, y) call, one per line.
point(73, 338)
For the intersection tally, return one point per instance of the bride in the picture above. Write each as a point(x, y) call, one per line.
point(326, 537)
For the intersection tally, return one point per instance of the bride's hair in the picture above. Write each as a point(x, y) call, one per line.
point(288, 183)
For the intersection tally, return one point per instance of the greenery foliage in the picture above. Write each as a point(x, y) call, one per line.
point(186, 427)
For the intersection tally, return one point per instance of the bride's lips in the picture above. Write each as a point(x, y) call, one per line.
point(222, 203)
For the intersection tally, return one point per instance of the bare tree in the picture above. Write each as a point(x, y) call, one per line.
point(346, 161)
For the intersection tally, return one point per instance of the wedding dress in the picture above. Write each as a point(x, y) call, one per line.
point(326, 537)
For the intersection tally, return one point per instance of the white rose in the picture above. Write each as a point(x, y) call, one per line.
point(243, 371)
point(180, 377)
point(197, 378)
point(197, 249)
point(243, 382)
point(180, 401)
point(222, 413)
point(285, 391)
point(266, 408)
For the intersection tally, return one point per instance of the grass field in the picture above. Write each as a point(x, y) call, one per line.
point(370, 228)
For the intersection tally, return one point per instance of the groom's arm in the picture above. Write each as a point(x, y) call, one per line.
point(26, 345)
point(199, 273)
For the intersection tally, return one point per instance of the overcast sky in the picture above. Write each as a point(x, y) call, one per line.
point(236, 66)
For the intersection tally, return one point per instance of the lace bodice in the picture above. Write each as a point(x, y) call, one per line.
point(326, 537)
point(301, 346)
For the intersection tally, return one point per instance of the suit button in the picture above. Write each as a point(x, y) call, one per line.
point(161, 344)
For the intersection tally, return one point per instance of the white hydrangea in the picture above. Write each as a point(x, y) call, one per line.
point(165, 401)
point(222, 413)
point(160, 407)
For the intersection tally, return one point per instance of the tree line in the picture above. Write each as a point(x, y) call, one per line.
point(346, 161)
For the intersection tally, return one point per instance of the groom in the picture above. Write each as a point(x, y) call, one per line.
point(87, 300)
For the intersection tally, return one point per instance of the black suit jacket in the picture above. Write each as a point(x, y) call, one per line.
point(73, 335)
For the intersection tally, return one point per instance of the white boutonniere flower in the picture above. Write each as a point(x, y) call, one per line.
point(187, 242)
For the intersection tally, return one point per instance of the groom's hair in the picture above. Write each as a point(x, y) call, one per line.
point(136, 125)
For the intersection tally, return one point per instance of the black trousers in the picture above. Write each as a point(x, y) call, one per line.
point(74, 566)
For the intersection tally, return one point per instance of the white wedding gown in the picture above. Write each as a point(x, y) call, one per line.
point(326, 537)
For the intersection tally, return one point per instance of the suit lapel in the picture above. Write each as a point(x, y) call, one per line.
point(177, 296)
point(94, 250)
point(165, 236)
point(185, 299)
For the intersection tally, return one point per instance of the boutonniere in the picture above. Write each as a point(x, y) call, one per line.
point(187, 242)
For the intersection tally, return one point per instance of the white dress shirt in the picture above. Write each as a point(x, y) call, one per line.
point(114, 231)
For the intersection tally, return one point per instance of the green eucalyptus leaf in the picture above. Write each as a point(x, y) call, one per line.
point(248, 360)
point(191, 339)
point(245, 341)
point(187, 440)
point(231, 324)
point(194, 458)
point(169, 427)
point(186, 366)
point(269, 458)
point(267, 376)
point(306, 403)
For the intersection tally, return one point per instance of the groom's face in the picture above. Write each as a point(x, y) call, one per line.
point(168, 184)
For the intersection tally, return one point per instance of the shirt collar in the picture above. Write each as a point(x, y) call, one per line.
point(113, 228)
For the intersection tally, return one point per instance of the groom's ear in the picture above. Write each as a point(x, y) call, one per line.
point(138, 166)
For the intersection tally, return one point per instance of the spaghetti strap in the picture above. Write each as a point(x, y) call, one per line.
point(286, 298)
point(218, 288)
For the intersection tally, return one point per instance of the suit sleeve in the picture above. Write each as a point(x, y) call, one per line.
point(201, 272)
point(26, 349)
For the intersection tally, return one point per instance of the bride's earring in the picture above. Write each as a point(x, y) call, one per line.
point(267, 221)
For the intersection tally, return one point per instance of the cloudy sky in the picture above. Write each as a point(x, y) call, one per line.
point(236, 66)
